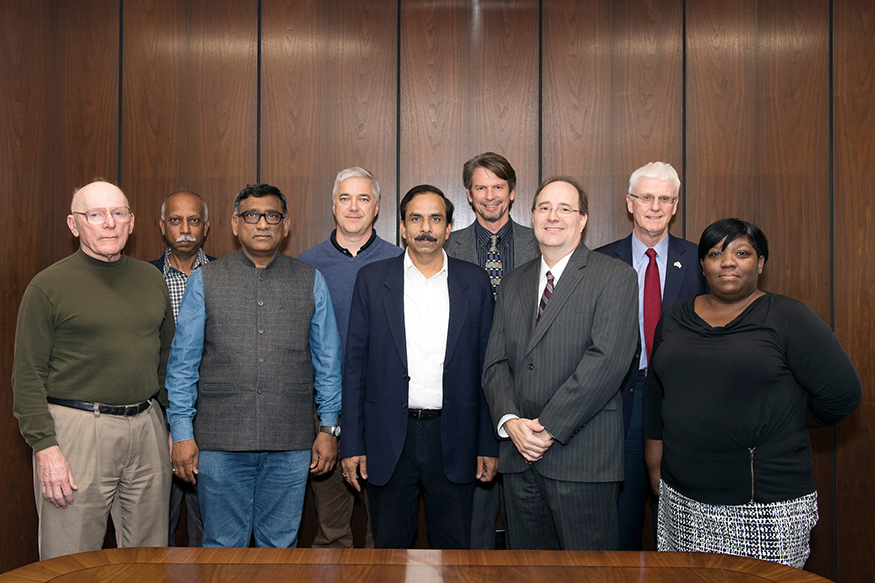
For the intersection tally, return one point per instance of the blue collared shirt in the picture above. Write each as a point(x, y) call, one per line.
point(188, 347)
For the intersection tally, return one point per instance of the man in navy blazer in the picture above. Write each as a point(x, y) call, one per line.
point(415, 416)
point(652, 200)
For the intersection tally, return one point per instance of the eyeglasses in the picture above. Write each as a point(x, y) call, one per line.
point(562, 211)
point(649, 198)
point(98, 216)
point(270, 217)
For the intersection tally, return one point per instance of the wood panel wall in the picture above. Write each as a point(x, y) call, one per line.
point(854, 273)
point(213, 95)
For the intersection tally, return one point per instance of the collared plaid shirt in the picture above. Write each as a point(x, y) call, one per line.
point(176, 279)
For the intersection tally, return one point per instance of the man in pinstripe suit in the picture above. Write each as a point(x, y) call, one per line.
point(564, 331)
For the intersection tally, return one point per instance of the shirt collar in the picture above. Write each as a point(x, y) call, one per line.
point(639, 248)
point(556, 270)
point(201, 259)
point(505, 233)
point(410, 268)
point(346, 251)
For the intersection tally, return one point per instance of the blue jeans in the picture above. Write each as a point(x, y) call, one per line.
point(245, 492)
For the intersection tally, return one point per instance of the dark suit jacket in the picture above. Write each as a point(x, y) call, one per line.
point(463, 244)
point(683, 278)
point(566, 369)
point(375, 376)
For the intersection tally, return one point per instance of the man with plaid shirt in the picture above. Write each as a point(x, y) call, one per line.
point(184, 224)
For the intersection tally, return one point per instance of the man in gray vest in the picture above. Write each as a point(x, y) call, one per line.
point(497, 244)
point(257, 335)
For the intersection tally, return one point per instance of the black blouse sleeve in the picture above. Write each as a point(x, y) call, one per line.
point(821, 366)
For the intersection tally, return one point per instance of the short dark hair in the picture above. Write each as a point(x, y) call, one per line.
point(582, 199)
point(426, 189)
point(495, 163)
point(732, 229)
point(259, 191)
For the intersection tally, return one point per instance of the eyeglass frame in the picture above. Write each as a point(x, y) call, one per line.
point(642, 198)
point(107, 213)
point(242, 215)
point(560, 211)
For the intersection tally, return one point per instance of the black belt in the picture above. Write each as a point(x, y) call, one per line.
point(642, 372)
point(424, 414)
point(123, 410)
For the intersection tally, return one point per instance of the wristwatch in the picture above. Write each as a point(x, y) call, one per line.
point(332, 430)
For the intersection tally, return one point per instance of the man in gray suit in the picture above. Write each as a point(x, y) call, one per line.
point(497, 244)
point(565, 329)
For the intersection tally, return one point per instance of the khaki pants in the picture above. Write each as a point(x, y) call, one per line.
point(121, 466)
point(335, 501)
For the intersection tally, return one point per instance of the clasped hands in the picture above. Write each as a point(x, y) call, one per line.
point(529, 437)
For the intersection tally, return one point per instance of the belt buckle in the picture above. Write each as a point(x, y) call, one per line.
point(417, 414)
point(131, 410)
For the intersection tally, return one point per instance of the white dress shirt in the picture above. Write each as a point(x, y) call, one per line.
point(426, 320)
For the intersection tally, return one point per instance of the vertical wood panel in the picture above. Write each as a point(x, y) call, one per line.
point(189, 111)
point(25, 118)
point(469, 84)
point(758, 149)
point(854, 155)
point(85, 67)
point(328, 102)
point(612, 100)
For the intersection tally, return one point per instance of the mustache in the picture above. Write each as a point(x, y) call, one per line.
point(185, 239)
point(425, 237)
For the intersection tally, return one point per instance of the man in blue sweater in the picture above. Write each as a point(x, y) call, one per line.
point(352, 245)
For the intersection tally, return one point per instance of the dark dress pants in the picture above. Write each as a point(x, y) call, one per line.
point(448, 506)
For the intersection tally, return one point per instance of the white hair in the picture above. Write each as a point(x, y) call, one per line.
point(355, 172)
point(657, 170)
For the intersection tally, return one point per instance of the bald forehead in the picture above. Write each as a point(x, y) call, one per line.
point(98, 195)
point(180, 199)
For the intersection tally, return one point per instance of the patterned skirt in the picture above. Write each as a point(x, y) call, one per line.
point(778, 531)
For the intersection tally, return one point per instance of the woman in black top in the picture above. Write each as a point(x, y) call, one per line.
point(732, 375)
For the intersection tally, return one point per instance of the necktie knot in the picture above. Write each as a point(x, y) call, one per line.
point(493, 243)
point(651, 253)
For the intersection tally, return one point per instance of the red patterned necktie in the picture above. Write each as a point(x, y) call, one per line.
point(548, 291)
point(652, 301)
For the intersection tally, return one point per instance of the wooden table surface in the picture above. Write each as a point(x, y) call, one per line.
point(185, 565)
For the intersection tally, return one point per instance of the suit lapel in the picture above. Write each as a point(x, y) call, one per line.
point(393, 304)
point(562, 293)
point(458, 309)
point(623, 250)
point(522, 295)
point(676, 270)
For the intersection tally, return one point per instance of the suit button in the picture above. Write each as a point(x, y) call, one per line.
point(531, 366)
point(403, 405)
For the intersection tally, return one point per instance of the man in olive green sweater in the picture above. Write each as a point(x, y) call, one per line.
point(91, 345)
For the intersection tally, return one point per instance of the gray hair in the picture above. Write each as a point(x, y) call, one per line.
point(657, 170)
point(185, 191)
point(355, 172)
